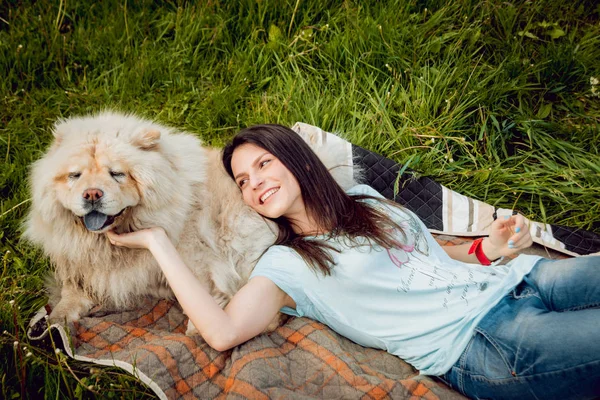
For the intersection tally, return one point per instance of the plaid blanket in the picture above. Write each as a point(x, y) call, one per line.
point(301, 359)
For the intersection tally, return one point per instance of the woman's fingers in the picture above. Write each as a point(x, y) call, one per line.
point(522, 242)
point(515, 224)
point(133, 239)
point(141, 239)
point(510, 222)
point(520, 223)
point(514, 230)
point(522, 237)
point(112, 237)
point(118, 240)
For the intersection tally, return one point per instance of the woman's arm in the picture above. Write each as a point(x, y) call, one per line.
point(507, 236)
point(248, 313)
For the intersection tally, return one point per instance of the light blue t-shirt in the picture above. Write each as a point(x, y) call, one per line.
point(413, 301)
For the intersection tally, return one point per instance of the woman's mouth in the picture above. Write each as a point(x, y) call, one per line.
point(268, 194)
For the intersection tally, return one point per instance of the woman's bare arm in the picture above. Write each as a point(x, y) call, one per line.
point(248, 313)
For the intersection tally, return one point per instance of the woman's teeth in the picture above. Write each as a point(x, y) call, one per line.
point(265, 196)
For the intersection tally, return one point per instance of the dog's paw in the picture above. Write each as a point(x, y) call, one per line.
point(62, 316)
point(65, 311)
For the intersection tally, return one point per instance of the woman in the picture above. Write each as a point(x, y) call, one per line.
point(371, 271)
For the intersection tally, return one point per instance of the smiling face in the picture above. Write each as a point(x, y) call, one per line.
point(267, 186)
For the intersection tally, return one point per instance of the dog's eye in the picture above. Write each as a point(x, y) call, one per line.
point(117, 175)
point(74, 175)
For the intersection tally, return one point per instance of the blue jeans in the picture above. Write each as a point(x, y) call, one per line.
point(542, 341)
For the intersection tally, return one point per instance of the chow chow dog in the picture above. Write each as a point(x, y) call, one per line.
point(112, 171)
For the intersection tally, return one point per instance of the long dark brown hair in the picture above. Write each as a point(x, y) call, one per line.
point(334, 211)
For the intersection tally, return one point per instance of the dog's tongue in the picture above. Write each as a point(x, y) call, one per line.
point(95, 220)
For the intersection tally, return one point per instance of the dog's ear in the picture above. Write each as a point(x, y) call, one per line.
point(58, 138)
point(147, 139)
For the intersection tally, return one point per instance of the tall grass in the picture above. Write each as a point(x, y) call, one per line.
point(493, 99)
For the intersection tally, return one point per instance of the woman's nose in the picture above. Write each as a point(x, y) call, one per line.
point(256, 181)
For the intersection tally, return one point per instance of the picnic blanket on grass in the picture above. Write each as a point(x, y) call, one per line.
point(302, 359)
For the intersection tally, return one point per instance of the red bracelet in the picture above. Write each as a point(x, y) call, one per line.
point(477, 249)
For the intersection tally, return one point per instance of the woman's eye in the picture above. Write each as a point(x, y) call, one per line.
point(242, 182)
point(265, 162)
point(116, 175)
point(74, 175)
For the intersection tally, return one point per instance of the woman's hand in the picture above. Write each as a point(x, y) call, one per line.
point(508, 235)
point(142, 239)
point(248, 313)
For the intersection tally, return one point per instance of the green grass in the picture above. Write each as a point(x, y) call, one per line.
point(492, 99)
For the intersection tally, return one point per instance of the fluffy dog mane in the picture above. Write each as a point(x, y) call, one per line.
point(168, 167)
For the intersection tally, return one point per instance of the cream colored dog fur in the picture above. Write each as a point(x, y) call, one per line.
point(116, 171)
